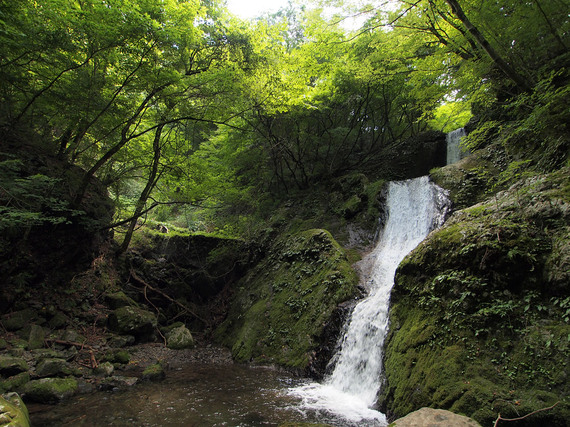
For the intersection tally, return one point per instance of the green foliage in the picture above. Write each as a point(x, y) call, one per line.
point(27, 201)
point(451, 116)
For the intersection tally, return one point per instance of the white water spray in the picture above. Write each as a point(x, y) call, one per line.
point(415, 207)
point(455, 151)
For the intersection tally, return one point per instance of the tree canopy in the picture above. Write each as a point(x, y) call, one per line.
point(177, 103)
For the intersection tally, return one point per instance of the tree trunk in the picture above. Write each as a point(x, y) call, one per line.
point(520, 81)
point(150, 183)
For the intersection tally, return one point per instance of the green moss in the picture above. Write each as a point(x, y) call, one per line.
point(49, 390)
point(282, 306)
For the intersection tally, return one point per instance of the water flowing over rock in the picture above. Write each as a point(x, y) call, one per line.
point(455, 151)
point(415, 207)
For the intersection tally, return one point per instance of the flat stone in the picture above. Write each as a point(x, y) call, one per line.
point(428, 417)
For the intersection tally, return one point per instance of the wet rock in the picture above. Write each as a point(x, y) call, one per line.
point(179, 338)
point(54, 368)
point(36, 337)
point(428, 417)
point(154, 373)
point(105, 369)
point(50, 390)
point(12, 365)
point(133, 321)
point(13, 411)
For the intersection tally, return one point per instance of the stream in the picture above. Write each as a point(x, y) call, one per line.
point(196, 394)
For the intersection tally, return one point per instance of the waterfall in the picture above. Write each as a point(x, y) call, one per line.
point(455, 151)
point(414, 208)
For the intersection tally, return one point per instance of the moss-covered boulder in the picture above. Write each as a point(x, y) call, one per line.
point(133, 321)
point(50, 390)
point(13, 411)
point(281, 308)
point(480, 311)
point(179, 338)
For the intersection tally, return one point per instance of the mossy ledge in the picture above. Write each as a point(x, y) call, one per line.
point(480, 311)
point(281, 308)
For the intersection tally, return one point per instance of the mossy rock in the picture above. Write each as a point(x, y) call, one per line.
point(18, 319)
point(119, 299)
point(13, 411)
point(119, 356)
point(10, 365)
point(133, 321)
point(154, 372)
point(179, 338)
point(281, 308)
point(14, 382)
point(50, 390)
point(479, 315)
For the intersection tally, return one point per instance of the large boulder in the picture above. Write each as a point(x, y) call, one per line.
point(479, 315)
point(429, 417)
point(50, 390)
point(133, 321)
point(281, 308)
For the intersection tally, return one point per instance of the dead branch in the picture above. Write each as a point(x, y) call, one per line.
point(499, 418)
point(158, 291)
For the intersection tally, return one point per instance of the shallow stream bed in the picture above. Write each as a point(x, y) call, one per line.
point(194, 393)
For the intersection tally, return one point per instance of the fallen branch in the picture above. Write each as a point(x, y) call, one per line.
point(169, 298)
point(499, 418)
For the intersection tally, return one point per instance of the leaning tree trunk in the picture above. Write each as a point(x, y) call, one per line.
point(150, 183)
point(520, 81)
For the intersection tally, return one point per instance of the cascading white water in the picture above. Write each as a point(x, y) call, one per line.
point(455, 151)
point(415, 207)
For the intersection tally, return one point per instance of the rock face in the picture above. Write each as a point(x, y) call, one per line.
point(281, 308)
point(428, 417)
point(415, 156)
point(45, 240)
point(133, 321)
point(479, 316)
